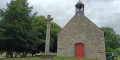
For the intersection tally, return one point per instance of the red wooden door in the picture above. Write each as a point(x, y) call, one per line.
point(79, 50)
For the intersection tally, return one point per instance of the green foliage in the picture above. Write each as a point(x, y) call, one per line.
point(112, 40)
point(1, 52)
point(1, 13)
point(16, 24)
point(21, 31)
point(109, 51)
point(118, 51)
point(39, 31)
point(54, 31)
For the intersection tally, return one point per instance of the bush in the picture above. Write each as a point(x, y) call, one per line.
point(23, 55)
point(118, 51)
point(1, 52)
point(111, 54)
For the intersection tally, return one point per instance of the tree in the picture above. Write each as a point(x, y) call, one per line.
point(17, 21)
point(112, 40)
point(2, 38)
point(1, 13)
point(55, 29)
point(39, 31)
point(21, 31)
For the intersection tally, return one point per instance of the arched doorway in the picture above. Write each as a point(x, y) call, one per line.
point(79, 50)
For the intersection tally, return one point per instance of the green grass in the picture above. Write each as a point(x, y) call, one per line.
point(118, 58)
point(28, 58)
point(37, 58)
point(66, 58)
point(56, 58)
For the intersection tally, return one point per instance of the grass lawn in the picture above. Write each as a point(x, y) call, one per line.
point(65, 58)
point(118, 58)
point(28, 58)
point(56, 58)
point(37, 58)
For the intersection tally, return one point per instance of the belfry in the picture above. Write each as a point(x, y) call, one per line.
point(81, 38)
point(79, 7)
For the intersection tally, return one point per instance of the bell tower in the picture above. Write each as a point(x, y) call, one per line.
point(79, 7)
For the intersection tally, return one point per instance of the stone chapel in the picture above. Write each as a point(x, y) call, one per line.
point(81, 38)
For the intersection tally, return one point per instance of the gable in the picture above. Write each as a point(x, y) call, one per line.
point(82, 23)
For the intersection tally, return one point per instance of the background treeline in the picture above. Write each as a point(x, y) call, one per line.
point(112, 41)
point(24, 32)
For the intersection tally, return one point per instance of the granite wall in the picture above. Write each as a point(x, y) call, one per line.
point(81, 30)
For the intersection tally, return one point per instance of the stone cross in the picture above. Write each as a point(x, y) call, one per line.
point(47, 44)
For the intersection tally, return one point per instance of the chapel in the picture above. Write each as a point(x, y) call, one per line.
point(81, 38)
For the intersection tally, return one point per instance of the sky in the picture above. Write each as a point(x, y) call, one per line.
point(103, 13)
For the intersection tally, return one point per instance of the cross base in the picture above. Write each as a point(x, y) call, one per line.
point(46, 56)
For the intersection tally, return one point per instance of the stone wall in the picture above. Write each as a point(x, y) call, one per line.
point(81, 30)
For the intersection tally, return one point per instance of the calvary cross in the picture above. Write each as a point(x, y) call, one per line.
point(47, 44)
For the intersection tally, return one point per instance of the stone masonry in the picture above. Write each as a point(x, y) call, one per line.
point(47, 44)
point(81, 30)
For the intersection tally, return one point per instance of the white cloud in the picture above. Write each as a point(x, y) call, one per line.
point(101, 12)
point(104, 13)
point(3, 3)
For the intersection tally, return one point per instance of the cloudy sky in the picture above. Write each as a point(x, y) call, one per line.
point(104, 13)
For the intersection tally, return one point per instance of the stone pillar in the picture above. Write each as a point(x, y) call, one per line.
point(47, 44)
point(47, 55)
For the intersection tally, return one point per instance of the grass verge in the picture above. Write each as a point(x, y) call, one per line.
point(37, 58)
point(67, 58)
point(27, 58)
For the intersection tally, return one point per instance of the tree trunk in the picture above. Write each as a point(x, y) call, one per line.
point(16, 54)
point(32, 54)
point(23, 54)
point(26, 54)
point(11, 54)
point(7, 55)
